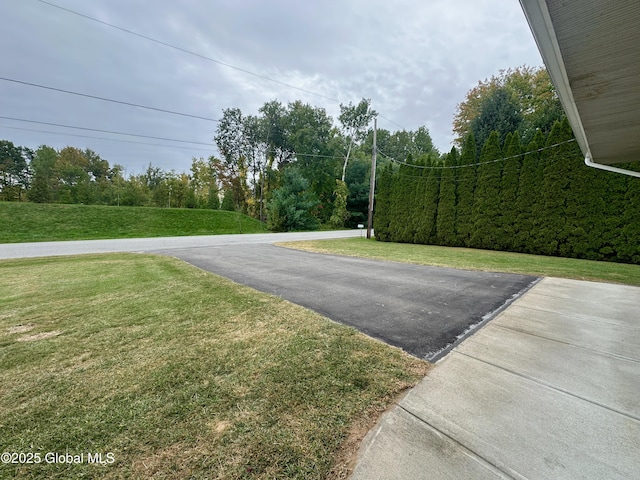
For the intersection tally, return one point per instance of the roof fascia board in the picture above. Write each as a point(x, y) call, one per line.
point(544, 34)
point(541, 25)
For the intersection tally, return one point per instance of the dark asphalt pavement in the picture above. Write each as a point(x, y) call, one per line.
point(417, 308)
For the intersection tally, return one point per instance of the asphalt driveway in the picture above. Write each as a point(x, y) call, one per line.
point(421, 309)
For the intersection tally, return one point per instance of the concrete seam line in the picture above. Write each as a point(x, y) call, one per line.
point(581, 347)
point(552, 387)
point(489, 465)
point(594, 319)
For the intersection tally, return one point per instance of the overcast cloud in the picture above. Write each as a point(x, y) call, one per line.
point(416, 60)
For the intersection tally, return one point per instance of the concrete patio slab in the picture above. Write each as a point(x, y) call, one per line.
point(548, 389)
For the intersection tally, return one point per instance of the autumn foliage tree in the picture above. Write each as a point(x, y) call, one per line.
point(521, 99)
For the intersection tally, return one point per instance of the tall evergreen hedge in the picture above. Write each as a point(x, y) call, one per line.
point(446, 215)
point(465, 191)
point(538, 199)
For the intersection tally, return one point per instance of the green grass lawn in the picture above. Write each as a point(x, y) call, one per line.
point(472, 259)
point(178, 373)
point(33, 222)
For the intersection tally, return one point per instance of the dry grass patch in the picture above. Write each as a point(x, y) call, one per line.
point(38, 336)
point(21, 328)
point(181, 374)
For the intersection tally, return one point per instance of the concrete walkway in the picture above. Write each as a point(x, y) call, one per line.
point(549, 389)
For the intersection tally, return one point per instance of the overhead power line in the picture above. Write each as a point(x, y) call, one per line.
point(391, 121)
point(107, 139)
point(121, 102)
point(104, 99)
point(296, 154)
point(105, 131)
point(204, 57)
point(443, 167)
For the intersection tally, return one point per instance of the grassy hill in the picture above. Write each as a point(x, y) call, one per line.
point(31, 222)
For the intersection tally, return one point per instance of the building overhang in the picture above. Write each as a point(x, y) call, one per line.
point(591, 49)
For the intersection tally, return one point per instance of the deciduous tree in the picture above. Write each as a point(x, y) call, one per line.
point(14, 174)
point(354, 120)
point(232, 144)
point(527, 96)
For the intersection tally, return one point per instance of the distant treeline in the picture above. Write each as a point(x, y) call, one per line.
point(290, 165)
point(72, 175)
point(539, 198)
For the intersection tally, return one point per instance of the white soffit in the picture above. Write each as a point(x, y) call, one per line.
point(592, 51)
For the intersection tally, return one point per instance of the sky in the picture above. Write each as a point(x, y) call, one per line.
point(416, 60)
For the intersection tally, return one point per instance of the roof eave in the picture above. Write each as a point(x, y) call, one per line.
point(541, 25)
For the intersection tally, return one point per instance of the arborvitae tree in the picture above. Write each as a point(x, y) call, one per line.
point(528, 200)
point(401, 182)
point(426, 223)
point(403, 195)
point(416, 208)
point(382, 205)
point(614, 209)
point(629, 248)
point(553, 232)
point(585, 204)
point(486, 202)
point(559, 207)
point(507, 142)
point(465, 191)
point(432, 201)
point(446, 216)
point(509, 193)
point(394, 204)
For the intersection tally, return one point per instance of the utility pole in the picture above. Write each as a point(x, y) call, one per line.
point(372, 181)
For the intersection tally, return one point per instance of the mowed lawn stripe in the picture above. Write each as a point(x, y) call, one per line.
point(179, 373)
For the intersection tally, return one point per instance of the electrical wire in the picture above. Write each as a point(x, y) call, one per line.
point(129, 104)
point(294, 154)
point(107, 139)
point(204, 57)
point(444, 167)
point(104, 99)
point(106, 131)
point(391, 121)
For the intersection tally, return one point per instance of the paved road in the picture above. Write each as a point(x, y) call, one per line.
point(420, 309)
point(48, 249)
